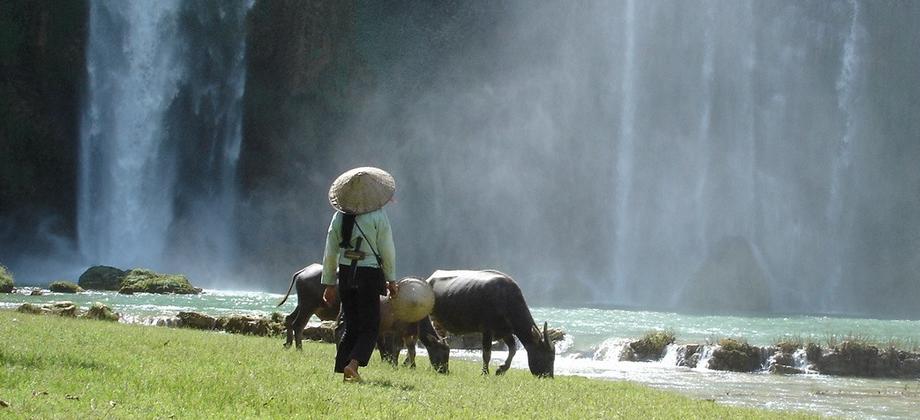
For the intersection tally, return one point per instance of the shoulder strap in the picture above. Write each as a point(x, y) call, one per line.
point(376, 255)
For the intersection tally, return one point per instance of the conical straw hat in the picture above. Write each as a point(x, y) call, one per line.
point(414, 301)
point(361, 190)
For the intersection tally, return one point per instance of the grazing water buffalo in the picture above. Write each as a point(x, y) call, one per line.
point(309, 301)
point(393, 335)
point(491, 303)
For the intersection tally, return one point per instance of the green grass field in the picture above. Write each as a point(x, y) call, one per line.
point(53, 367)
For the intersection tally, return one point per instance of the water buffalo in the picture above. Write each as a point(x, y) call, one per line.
point(394, 334)
point(491, 303)
point(309, 301)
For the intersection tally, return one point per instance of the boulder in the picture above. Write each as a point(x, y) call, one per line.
point(689, 355)
point(101, 312)
point(241, 324)
point(324, 332)
point(851, 358)
point(146, 281)
point(648, 348)
point(785, 370)
point(197, 321)
point(101, 277)
point(28, 308)
point(36, 292)
point(67, 309)
point(6, 280)
point(64, 287)
point(735, 356)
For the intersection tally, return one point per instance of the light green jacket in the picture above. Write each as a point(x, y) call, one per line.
point(376, 227)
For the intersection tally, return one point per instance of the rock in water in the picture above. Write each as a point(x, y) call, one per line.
point(101, 312)
point(102, 277)
point(146, 281)
point(197, 320)
point(414, 301)
point(64, 287)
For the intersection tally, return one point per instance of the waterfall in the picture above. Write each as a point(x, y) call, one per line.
point(842, 157)
point(703, 134)
point(160, 134)
point(126, 184)
point(624, 158)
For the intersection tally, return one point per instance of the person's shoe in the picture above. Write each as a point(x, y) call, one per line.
point(351, 375)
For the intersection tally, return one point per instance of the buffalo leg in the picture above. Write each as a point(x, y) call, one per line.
point(303, 315)
point(389, 350)
point(410, 341)
point(512, 348)
point(289, 324)
point(486, 351)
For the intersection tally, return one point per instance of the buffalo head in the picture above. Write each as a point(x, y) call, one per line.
point(438, 353)
point(541, 356)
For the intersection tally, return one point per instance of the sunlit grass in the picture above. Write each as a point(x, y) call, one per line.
point(71, 368)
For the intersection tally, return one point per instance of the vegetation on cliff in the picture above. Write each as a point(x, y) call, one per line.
point(6, 280)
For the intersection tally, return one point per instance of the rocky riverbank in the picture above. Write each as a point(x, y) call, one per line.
point(852, 357)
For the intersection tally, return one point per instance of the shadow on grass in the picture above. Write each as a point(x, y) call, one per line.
point(390, 384)
point(38, 361)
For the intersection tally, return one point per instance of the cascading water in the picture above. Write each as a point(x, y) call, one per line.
point(160, 134)
point(624, 156)
point(126, 183)
point(842, 157)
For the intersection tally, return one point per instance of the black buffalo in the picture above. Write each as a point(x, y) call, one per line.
point(394, 334)
point(491, 303)
point(309, 301)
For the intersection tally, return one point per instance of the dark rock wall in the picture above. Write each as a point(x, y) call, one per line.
point(42, 72)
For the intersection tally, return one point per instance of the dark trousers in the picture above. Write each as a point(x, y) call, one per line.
point(360, 312)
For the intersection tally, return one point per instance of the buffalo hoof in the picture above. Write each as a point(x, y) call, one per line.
point(286, 345)
point(501, 371)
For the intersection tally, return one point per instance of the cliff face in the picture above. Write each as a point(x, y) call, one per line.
point(41, 75)
point(303, 80)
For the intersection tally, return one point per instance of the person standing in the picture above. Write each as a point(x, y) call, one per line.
point(359, 261)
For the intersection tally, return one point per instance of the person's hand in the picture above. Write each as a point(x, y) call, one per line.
point(329, 295)
point(392, 289)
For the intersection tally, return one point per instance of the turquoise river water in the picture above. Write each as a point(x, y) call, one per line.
point(594, 337)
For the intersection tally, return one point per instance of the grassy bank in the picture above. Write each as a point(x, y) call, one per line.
point(70, 368)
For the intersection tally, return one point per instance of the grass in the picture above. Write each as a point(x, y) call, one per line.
point(52, 367)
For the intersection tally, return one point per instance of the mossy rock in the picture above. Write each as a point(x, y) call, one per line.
point(67, 309)
point(649, 347)
point(196, 320)
point(65, 287)
point(6, 280)
point(101, 312)
point(146, 281)
point(736, 356)
point(102, 277)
